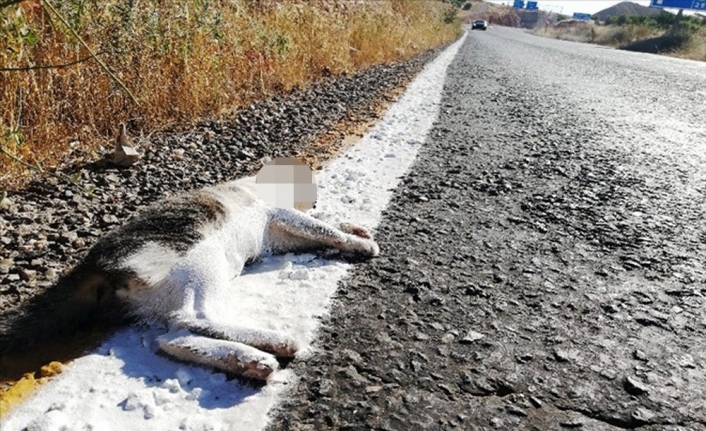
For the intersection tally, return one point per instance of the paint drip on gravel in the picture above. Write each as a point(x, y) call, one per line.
point(125, 385)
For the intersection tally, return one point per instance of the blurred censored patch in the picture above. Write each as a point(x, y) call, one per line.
point(286, 182)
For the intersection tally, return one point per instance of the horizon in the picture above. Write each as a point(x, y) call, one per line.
point(569, 7)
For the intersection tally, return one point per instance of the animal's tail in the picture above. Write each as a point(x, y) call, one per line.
point(77, 300)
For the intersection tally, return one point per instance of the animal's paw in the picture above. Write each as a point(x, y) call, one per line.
point(366, 247)
point(279, 344)
point(374, 249)
point(355, 230)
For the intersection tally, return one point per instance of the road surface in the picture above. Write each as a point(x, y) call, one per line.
point(543, 263)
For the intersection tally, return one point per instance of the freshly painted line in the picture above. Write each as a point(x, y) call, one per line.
point(125, 385)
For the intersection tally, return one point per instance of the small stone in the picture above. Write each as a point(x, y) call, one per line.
point(631, 264)
point(438, 326)
point(634, 387)
point(372, 389)
point(5, 202)
point(28, 274)
point(35, 263)
point(536, 401)
point(608, 374)
point(12, 277)
point(325, 387)
point(352, 356)
point(67, 237)
point(639, 355)
point(524, 358)
point(687, 361)
point(572, 423)
point(110, 219)
point(353, 374)
point(178, 153)
point(5, 265)
point(78, 243)
point(646, 320)
point(516, 411)
point(496, 423)
point(448, 338)
point(643, 415)
point(446, 389)
point(562, 355)
point(471, 337)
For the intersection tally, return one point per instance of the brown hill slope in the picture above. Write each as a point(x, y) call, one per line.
point(625, 8)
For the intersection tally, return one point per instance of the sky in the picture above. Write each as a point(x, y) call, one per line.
point(568, 7)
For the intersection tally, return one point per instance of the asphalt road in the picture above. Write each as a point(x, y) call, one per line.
point(543, 264)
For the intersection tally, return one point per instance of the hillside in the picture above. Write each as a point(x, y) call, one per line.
point(501, 15)
point(626, 8)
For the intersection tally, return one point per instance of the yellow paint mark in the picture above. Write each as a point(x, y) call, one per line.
point(26, 385)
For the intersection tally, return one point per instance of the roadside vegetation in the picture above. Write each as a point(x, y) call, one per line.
point(659, 34)
point(71, 71)
point(493, 13)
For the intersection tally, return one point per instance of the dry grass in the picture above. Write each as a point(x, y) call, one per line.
point(622, 36)
point(696, 49)
point(183, 61)
point(588, 32)
point(491, 12)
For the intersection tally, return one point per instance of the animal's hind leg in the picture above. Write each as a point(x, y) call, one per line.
point(291, 230)
point(194, 335)
point(276, 343)
point(229, 356)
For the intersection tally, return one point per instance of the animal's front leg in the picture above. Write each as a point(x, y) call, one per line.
point(346, 227)
point(292, 230)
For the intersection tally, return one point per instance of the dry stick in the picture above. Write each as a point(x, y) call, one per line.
point(85, 45)
point(37, 168)
point(10, 3)
point(49, 66)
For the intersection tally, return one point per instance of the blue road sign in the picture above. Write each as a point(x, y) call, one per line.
point(531, 5)
point(582, 16)
point(679, 4)
point(519, 4)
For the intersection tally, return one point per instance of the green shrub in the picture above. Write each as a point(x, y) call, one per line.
point(669, 42)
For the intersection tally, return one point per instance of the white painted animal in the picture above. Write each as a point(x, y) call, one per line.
point(164, 265)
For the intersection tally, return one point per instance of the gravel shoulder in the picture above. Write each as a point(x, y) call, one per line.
point(543, 262)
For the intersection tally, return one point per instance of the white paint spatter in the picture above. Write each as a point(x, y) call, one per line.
point(125, 385)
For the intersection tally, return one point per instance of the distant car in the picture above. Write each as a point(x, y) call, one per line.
point(480, 24)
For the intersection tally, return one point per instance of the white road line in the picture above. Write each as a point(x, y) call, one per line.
point(124, 385)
